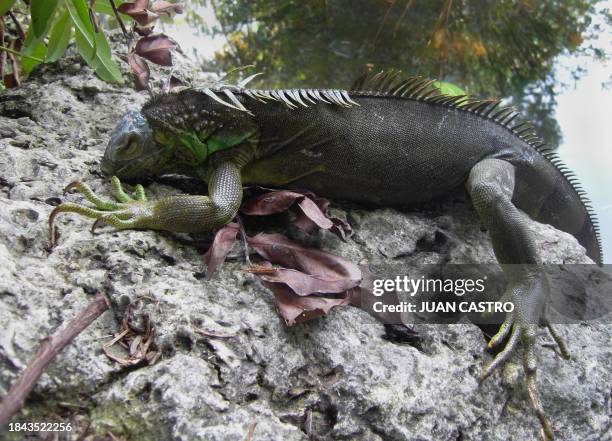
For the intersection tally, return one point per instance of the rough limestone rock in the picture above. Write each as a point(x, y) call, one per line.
point(341, 377)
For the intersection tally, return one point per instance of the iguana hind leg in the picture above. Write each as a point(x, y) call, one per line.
point(181, 213)
point(491, 187)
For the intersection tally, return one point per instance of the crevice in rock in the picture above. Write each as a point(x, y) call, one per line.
point(402, 334)
point(436, 243)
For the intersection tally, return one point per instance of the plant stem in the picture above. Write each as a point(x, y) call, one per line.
point(11, 51)
point(49, 348)
point(22, 35)
point(126, 34)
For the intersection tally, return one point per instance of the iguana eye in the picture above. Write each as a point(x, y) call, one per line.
point(130, 150)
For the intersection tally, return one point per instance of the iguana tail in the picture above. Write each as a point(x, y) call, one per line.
point(550, 193)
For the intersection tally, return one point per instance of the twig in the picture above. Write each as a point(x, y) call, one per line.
point(382, 25)
point(22, 35)
point(213, 334)
point(49, 348)
point(251, 432)
point(404, 12)
point(123, 28)
point(11, 51)
point(3, 54)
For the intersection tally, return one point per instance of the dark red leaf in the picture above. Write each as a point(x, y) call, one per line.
point(341, 228)
point(314, 213)
point(305, 284)
point(140, 70)
point(221, 246)
point(270, 203)
point(279, 250)
point(156, 48)
point(164, 7)
point(295, 309)
point(136, 4)
point(138, 12)
point(303, 222)
point(144, 18)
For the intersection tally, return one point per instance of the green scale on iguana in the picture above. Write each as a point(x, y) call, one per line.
point(387, 141)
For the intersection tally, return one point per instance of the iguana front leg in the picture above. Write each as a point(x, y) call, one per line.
point(491, 187)
point(181, 213)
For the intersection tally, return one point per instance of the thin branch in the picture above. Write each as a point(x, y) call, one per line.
point(384, 21)
point(251, 432)
point(49, 348)
point(404, 12)
point(22, 35)
point(123, 28)
point(11, 51)
point(3, 54)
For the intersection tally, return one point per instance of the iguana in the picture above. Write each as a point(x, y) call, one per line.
point(388, 141)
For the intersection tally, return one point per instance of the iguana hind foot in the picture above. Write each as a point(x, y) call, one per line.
point(491, 186)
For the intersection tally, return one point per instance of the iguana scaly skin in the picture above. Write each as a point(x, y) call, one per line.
point(388, 141)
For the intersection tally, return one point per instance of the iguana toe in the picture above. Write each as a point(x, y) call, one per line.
point(525, 334)
point(126, 213)
point(529, 334)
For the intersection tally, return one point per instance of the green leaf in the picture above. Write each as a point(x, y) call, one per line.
point(6, 5)
point(41, 12)
point(59, 38)
point(34, 47)
point(449, 88)
point(92, 46)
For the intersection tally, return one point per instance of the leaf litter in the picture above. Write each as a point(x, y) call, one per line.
point(306, 282)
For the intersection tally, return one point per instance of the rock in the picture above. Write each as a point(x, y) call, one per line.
point(340, 375)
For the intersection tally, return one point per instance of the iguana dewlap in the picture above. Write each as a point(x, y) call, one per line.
point(387, 141)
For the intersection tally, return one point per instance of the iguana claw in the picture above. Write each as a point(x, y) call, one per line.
point(516, 331)
point(125, 213)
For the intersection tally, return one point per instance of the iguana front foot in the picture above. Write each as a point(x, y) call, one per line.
point(180, 213)
point(123, 214)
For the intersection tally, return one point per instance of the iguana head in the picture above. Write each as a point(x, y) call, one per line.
point(132, 152)
point(174, 133)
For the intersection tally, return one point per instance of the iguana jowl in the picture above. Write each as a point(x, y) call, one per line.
point(388, 141)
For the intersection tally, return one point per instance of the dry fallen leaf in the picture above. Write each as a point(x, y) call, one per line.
point(270, 203)
point(279, 250)
point(221, 246)
point(305, 284)
point(296, 309)
point(314, 282)
point(311, 216)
